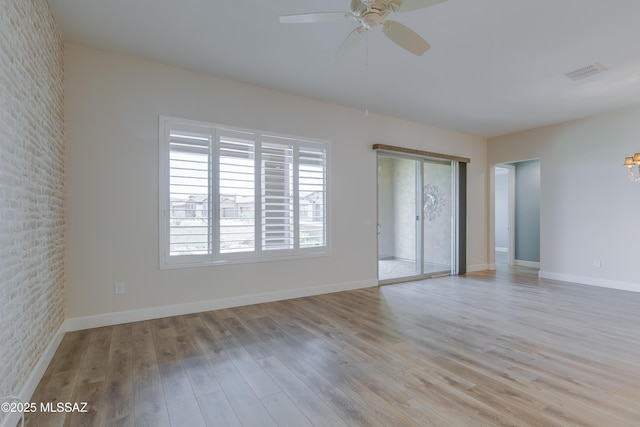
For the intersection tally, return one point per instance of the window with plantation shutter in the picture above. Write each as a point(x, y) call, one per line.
point(189, 173)
point(239, 195)
point(236, 192)
point(277, 195)
point(312, 197)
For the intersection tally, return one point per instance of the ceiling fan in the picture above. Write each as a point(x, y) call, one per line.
point(370, 14)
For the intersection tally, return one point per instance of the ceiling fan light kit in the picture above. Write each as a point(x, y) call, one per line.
point(370, 14)
point(630, 162)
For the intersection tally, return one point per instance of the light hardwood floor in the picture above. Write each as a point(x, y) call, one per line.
point(488, 348)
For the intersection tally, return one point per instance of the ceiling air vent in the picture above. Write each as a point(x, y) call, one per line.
point(588, 71)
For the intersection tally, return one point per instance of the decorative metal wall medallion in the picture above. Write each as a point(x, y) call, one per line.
point(433, 201)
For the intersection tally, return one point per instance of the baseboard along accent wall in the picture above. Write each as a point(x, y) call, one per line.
point(108, 319)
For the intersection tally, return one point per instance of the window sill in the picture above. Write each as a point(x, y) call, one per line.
point(217, 263)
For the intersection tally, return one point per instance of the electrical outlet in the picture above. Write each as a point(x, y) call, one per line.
point(119, 288)
point(597, 263)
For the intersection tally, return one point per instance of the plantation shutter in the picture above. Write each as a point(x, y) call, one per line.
point(277, 194)
point(237, 191)
point(312, 197)
point(189, 171)
point(238, 195)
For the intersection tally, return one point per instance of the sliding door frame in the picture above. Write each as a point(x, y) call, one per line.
point(459, 190)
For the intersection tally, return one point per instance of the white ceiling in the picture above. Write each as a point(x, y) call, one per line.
point(495, 66)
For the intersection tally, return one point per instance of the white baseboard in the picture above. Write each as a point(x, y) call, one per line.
point(479, 267)
point(530, 264)
point(108, 319)
point(591, 281)
point(29, 387)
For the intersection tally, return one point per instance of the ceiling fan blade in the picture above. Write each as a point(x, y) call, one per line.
point(312, 18)
point(405, 37)
point(352, 40)
point(409, 5)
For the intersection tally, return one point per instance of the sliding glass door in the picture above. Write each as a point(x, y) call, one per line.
point(437, 218)
point(416, 217)
point(398, 203)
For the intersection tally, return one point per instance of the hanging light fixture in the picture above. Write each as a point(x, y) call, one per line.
point(629, 162)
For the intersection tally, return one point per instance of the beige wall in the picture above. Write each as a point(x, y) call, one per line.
point(588, 207)
point(31, 191)
point(112, 106)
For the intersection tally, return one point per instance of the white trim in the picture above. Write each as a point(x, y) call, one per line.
point(479, 267)
point(590, 281)
point(491, 247)
point(522, 263)
point(108, 319)
point(500, 249)
point(30, 385)
point(455, 227)
point(305, 253)
point(511, 252)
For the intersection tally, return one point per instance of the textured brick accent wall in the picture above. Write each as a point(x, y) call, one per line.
point(31, 187)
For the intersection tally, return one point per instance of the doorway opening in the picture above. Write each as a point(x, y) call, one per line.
point(504, 191)
point(516, 214)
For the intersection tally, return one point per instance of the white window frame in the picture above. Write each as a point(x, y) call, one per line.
point(215, 256)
